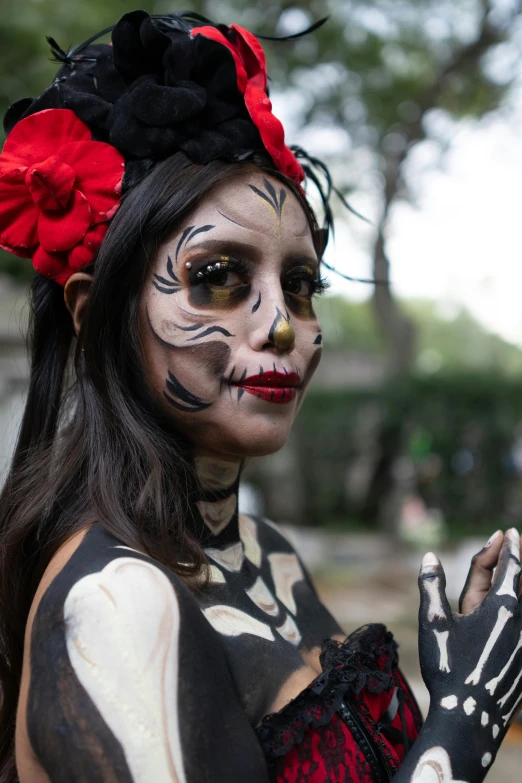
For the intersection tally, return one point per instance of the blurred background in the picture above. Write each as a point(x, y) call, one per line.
point(411, 435)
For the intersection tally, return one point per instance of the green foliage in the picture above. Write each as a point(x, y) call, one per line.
point(348, 325)
point(452, 343)
point(368, 68)
point(18, 269)
point(460, 435)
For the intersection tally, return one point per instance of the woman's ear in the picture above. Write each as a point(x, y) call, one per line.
point(76, 295)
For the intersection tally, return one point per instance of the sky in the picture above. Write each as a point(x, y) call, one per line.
point(460, 242)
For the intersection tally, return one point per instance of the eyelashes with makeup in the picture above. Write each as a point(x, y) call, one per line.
point(303, 283)
point(230, 273)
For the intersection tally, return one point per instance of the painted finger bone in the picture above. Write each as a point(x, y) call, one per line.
point(435, 609)
point(511, 691)
point(511, 577)
point(503, 616)
point(514, 709)
point(491, 686)
point(432, 588)
point(442, 641)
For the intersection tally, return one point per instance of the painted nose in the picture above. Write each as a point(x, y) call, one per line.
point(281, 334)
point(273, 331)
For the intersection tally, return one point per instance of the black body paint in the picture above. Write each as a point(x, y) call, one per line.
point(274, 199)
point(188, 234)
point(70, 738)
point(201, 230)
point(171, 286)
point(193, 404)
point(230, 219)
point(213, 355)
point(241, 391)
point(203, 294)
point(192, 328)
point(182, 238)
point(471, 666)
point(255, 308)
point(212, 330)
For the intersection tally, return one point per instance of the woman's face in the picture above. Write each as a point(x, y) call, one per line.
point(230, 339)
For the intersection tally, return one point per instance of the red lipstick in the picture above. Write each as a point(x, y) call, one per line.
point(271, 386)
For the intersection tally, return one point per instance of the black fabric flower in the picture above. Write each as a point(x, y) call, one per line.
point(151, 93)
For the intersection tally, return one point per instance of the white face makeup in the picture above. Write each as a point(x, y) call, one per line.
point(230, 339)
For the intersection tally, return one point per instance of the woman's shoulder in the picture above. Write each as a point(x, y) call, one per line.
point(93, 562)
point(123, 642)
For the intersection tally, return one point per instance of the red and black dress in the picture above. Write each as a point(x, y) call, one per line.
point(353, 724)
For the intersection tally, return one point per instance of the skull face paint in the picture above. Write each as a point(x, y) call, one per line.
point(229, 334)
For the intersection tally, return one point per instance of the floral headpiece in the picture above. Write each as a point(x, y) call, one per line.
point(114, 111)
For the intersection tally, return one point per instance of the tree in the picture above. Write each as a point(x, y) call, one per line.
point(376, 70)
point(454, 344)
point(390, 64)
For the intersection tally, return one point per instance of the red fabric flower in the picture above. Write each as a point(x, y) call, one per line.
point(58, 190)
point(250, 62)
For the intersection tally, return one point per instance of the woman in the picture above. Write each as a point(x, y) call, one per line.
point(150, 632)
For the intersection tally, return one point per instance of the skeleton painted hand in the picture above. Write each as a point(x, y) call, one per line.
point(472, 663)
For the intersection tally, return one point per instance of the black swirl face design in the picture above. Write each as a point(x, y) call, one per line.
point(274, 199)
point(181, 399)
point(167, 285)
point(236, 280)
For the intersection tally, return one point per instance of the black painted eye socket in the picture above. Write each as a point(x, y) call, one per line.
point(222, 274)
point(303, 283)
point(224, 278)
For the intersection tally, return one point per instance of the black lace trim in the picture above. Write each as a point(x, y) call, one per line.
point(365, 660)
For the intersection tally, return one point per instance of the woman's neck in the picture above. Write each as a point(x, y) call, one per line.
point(214, 504)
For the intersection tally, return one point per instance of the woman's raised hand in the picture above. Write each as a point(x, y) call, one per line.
point(471, 661)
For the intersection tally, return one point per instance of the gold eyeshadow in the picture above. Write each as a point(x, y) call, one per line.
point(203, 293)
point(218, 298)
point(208, 275)
point(301, 306)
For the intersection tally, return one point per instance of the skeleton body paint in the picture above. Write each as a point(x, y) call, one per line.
point(475, 694)
point(238, 278)
point(230, 342)
point(228, 335)
point(152, 638)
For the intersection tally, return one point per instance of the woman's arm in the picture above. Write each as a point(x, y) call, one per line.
point(129, 684)
point(472, 666)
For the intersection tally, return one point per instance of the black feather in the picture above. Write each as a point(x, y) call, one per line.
point(294, 36)
point(59, 56)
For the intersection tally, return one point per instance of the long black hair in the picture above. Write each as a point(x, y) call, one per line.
point(91, 445)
